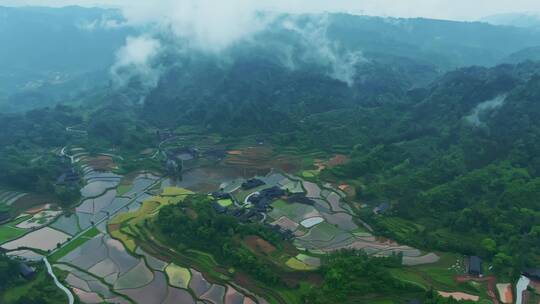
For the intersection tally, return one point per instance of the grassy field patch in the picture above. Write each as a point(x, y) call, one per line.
point(178, 276)
point(9, 231)
point(225, 202)
point(123, 189)
point(296, 264)
point(175, 191)
point(124, 226)
point(310, 173)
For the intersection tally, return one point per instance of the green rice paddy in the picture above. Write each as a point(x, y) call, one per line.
point(174, 191)
point(295, 212)
point(123, 189)
point(296, 264)
point(225, 202)
point(9, 232)
point(178, 276)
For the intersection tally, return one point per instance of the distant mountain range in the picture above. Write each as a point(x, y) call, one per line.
point(526, 20)
point(80, 46)
point(47, 52)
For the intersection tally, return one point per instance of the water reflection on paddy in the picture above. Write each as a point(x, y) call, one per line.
point(209, 179)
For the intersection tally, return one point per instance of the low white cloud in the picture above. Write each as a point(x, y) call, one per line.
point(444, 9)
point(476, 116)
point(135, 60)
point(101, 23)
point(204, 24)
point(319, 49)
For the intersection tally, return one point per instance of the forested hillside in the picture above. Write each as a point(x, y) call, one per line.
point(419, 111)
point(457, 154)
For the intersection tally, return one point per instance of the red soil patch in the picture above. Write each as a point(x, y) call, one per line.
point(534, 284)
point(192, 214)
point(293, 279)
point(491, 285)
point(147, 151)
point(257, 159)
point(458, 296)
point(37, 209)
point(101, 163)
point(114, 227)
point(30, 201)
point(348, 189)
point(338, 160)
point(319, 164)
point(234, 152)
point(290, 249)
point(386, 241)
point(258, 245)
point(286, 223)
point(508, 295)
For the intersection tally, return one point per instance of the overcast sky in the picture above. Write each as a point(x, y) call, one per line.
point(440, 9)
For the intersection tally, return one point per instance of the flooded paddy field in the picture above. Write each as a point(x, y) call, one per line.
point(44, 239)
point(105, 267)
point(327, 224)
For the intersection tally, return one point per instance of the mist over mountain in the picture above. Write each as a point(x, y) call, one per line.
point(524, 20)
point(356, 60)
point(82, 45)
point(50, 54)
point(190, 151)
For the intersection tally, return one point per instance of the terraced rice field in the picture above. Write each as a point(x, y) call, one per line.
point(153, 263)
point(26, 255)
point(259, 160)
point(44, 239)
point(232, 296)
point(176, 296)
point(286, 223)
point(206, 179)
point(343, 221)
point(293, 187)
point(97, 188)
point(136, 274)
point(295, 212)
point(105, 265)
point(312, 189)
point(215, 294)
point(198, 283)
point(312, 221)
point(40, 219)
point(328, 225)
point(136, 277)
point(8, 198)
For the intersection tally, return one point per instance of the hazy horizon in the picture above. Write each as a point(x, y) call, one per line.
point(460, 10)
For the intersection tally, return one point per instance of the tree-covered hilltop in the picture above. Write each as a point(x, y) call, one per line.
point(347, 276)
point(193, 224)
point(27, 139)
point(353, 276)
point(458, 157)
point(31, 141)
point(462, 163)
